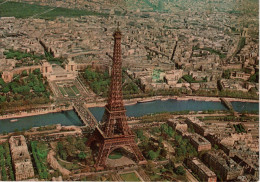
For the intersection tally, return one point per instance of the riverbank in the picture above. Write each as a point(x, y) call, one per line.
point(164, 98)
point(134, 101)
point(241, 100)
point(34, 113)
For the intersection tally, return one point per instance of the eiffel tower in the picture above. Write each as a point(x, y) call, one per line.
point(115, 133)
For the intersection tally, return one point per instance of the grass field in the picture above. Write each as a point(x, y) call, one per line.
point(129, 177)
point(115, 155)
point(69, 91)
point(68, 13)
point(62, 90)
point(74, 88)
point(24, 10)
point(20, 10)
point(69, 166)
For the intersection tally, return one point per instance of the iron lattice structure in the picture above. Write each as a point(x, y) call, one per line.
point(115, 132)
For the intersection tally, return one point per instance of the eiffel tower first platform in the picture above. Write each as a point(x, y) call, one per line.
point(114, 132)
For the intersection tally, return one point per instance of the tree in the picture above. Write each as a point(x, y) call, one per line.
point(140, 135)
point(160, 140)
point(163, 152)
point(80, 145)
point(215, 146)
point(164, 128)
point(254, 78)
point(152, 155)
point(82, 155)
point(61, 151)
point(226, 74)
point(160, 5)
point(150, 166)
point(16, 78)
point(180, 170)
point(2, 81)
point(6, 89)
point(39, 88)
point(170, 131)
point(37, 71)
point(177, 138)
point(24, 73)
point(71, 139)
point(188, 78)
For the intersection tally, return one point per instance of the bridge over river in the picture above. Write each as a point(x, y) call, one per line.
point(84, 113)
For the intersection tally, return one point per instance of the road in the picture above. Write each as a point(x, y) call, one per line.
point(42, 12)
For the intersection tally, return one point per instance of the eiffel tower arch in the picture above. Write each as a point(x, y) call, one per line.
point(114, 132)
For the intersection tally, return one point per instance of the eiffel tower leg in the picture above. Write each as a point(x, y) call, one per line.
point(137, 152)
point(102, 156)
point(95, 136)
point(90, 140)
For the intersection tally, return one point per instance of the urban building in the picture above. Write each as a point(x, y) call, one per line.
point(21, 158)
point(225, 167)
point(200, 169)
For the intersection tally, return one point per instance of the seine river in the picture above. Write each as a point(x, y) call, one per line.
point(171, 105)
point(70, 117)
point(65, 118)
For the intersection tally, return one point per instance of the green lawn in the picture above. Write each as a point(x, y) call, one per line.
point(61, 90)
point(129, 177)
point(24, 10)
point(155, 177)
point(115, 155)
point(74, 88)
point(69, 13)
point(69, 166)
point(69, 91)
point(20, 10)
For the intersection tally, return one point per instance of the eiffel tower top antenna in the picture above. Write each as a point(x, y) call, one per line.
point(118, 25)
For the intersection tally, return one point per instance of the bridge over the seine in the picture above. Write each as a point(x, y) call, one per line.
point(84, 113)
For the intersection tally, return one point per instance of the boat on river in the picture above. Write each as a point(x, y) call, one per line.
point(147, 100)
point(14, 120)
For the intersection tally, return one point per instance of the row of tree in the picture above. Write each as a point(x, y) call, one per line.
point(2, 164)
point(40, 152)
point(12, 54)
point(6, 163)
point(149, 146)
point(99, 82)
point(190, 79)
point(28, 59)
point(24, 87)
point(72, 148)
point(184, 148)
point(239, 128)
point(253, 78)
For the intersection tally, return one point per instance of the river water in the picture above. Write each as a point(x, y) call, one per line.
point(65, 118)
point(170, 105)
point(70, 117)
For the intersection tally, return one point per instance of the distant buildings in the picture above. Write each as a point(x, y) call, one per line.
point(50, 71)
point(172, 77)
